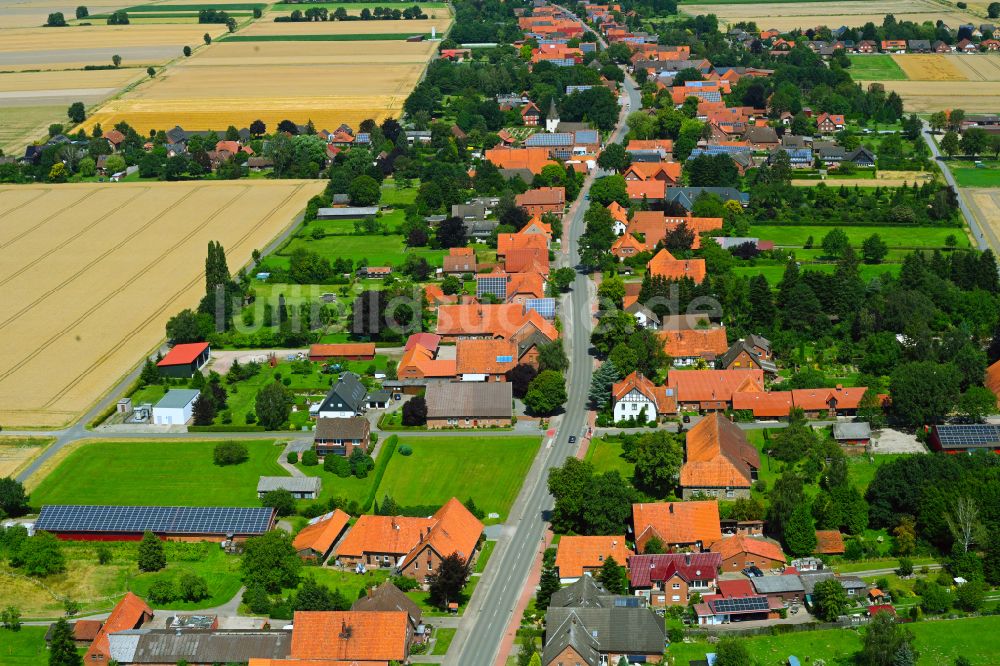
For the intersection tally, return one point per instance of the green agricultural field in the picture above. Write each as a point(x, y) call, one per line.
point(937, 642)
point(377, 249)
point(967, 175)
point(875, 68)
point(172, 473)
point(895, 237)
point(489, 469)
point(373, 37)
point(773, 273)
point(228, 7)
point(354, 6)
point(25, 647)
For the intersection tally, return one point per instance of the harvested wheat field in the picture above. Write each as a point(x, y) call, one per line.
point(29, 13)
point(417, 27)
point(790, 15)
point(90, 273)
point(320, 53)
point(17, 452)
point(930, 96)
point(882, 179)
point(985, 206)
point(982, 67)
point(930, 67)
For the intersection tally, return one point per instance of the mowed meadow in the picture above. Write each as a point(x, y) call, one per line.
point(90, 274)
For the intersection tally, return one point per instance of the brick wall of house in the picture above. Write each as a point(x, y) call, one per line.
point(741, 561)
point(721, 493)
point(468, 423)
point(742, 361)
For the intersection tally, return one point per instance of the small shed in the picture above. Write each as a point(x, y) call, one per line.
point(176, 407)
point(301, 487)
point(184, 360)
point(852, 434)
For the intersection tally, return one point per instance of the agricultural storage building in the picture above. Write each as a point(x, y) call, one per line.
point(963, 438)
point(128, 523)
point(184, 360)
point(351, 351)
point(176, 407)
point(301, 487)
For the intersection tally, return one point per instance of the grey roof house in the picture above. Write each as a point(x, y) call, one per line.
point(346, 398)
point(466, 404)
point(590, 635)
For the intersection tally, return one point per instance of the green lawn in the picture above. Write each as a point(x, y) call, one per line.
point(220, 571)
point(490, 470)
point(442, 640)
point(894, 236)
point(937, 643)
point(379, 250)
point(374, 37)
point(349, 583)
point(875, 67)
point(246, 6)
point(397, 196)
point(605, 454)
point(485, 552)
point(25, 647)
point(774, 272)
point(178, 473)
point(967, 175)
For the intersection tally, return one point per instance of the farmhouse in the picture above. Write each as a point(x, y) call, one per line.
point(688, 347)
point(301, 487)
point(712, 390)
point(197, 647)
point(753, 352)
point(469, 404)
point(345, 400)
point(670, 579)
point(129, 613)
point(636, 396)
point(184, 360)
point(602, 636)
point(173, 523)
point(354, 351)
point(484, 360)
point(664, 265)
point(340, 436)
point(388, 597)
point(719, 461)
point(692, 525)
point(579, 555)
point(316, 539)
point(176, 407)
point(509, 321)
point(414, 546)
point(364, 637)
point(542, 200)
point(419, 362)
point(838, 401)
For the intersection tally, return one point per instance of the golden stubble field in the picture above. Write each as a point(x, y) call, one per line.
point(90, 273)
point(262, 28)
point(985, 206)
point(791, 15)
point(947, 81)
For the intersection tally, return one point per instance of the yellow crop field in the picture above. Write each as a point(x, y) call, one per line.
point(28, 83)
point(320, 53)
point(930, 96)
point(790, 15)
point(985, 205)
point(421, 26)
point(930, 67)
point(90, 273)
point(95, 36)
point(27, 13)
point(982, 67)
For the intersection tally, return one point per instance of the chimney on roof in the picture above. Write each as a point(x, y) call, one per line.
point(671, 505)
point(687, 559)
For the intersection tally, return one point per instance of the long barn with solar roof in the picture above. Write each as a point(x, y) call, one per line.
point(80, 522)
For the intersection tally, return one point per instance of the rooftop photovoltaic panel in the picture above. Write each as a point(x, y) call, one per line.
point(543, 306)
point(557, 139)
point(985, 435)
point(740, 605)
point(158, 519)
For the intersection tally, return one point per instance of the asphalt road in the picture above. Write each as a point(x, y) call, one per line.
point(481, 634)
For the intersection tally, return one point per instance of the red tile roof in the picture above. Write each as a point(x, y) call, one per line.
point(502, 320)
point(321, 535)
point(487, 357)
point(817, 400)
point(829, 542)
point(342, 350)
point(394, 535)
point(428, 341)
point(741, 587)
point(644, 569)
point(732, 546)
point(660, 395)
point(713, 385)
point(351, 635)
point(183, 354)
point(651, 190)
point(665, 265)
point(992, 380)
point(677, 522)
point(764, 405)
point(86, 630)
point(577, 554)
point(532, 159)
point(455, 530)
point(129, 613)
point(718, 455)
point(419, 362)
point(704, 342)
point(510, 242)
point(542, 196)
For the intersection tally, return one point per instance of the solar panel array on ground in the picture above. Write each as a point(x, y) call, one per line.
point(966, 436)
point(157, 519)
point(740, 605)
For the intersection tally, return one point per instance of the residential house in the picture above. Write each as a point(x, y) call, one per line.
point(508, 321)
point(315, 541)
point(762, 138)
point(509, 243)
point(129, 613)
point(940, 47)
point(636, 397)
point(341, 436)
point(736, 602)
point(838, 401)
point(644, 317)
point(627, 245)
point(670, 579)
point(686, 196)
point(579, 555)
point(719, 461)
point(786, 588)
point(867, 46)
point(595, 636)
point(484, 360)
point(918, 45)
point(419, 362)
point(460, 261)
point(531, 160)
point(742, 552)
point(663, 264)
point(861, 157)
point(300, 487)
point(469, 405)
point(649, 191)
point(692, 525)
point(586, 592)
point(691, 346)
point(894, 45)
point(764, 406)
point(531, 116)
point(386, 597)
point(712, 390)
point(669, 172)
point(828, 123)
point(744, 354)
point(542, 200)
point(412, 546)
point(361, 637)
point(345, 399)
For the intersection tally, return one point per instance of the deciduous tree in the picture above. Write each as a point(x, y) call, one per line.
point(151, 554)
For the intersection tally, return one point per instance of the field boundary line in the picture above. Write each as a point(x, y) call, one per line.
point(131, 334)
point(83, 269)
point(18, 207)
point(52, 339)
point(70, 240)
point(47, 219)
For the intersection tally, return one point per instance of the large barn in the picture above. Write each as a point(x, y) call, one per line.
point(184, 360)
point(80, 522)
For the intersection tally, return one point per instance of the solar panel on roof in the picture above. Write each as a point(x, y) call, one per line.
point(740, 605)
point(159, 519)
point(505, 358)
point(543, 306)
point(968, 435)
point(545, 140)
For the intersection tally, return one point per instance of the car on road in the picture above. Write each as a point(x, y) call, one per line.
point(572, 439)
point(587, 196)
